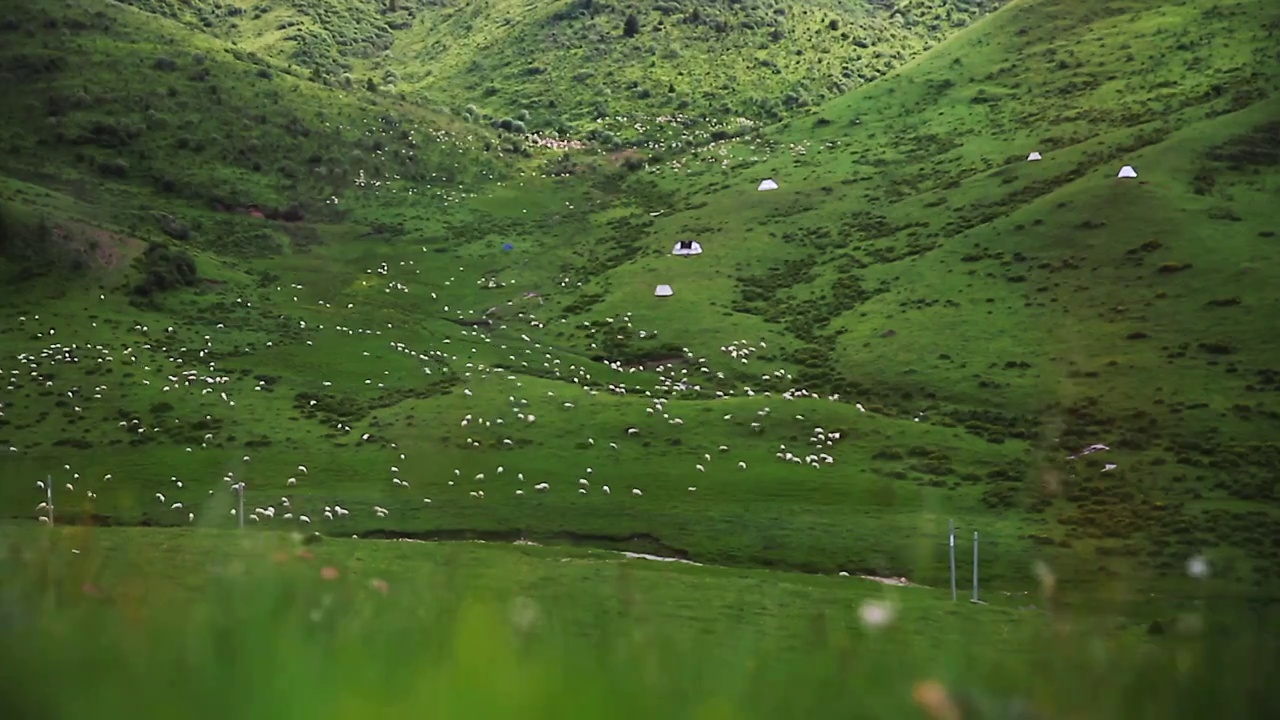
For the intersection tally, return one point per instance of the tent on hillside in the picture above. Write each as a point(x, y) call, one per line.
point(767, 185)
point(1127, 172)
point(687, 247)
point(663, 291)
point(1033, 156)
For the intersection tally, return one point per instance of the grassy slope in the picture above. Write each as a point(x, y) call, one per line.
point(562, 65)
point(201, 121)
point(356, 309)
point(989, 261)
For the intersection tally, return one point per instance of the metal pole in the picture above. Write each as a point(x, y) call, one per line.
point(975, 566)
point(953, 559)
point(48, 497)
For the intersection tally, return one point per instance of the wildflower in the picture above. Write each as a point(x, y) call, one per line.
point(1048, 581)
point(933, 698)
point(1198, 566)
point(876, 614)
point(524, 613)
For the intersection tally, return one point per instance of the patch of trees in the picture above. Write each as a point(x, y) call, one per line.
point(33, 245)
point(165, 268)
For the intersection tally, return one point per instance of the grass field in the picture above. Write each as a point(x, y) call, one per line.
point(256, 624)
point(381, 319)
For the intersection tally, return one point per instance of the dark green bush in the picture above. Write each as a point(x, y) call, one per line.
point(165, 268)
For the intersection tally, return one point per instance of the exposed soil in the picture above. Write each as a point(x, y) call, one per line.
point(290, 214)
point(106, 249)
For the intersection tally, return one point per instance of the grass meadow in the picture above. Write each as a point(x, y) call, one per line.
point(231, 274)
point(149, 621)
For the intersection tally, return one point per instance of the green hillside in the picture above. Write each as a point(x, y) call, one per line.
point(573, 66)
point(219, 271)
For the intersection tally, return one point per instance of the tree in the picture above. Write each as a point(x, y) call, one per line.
point(631, 27)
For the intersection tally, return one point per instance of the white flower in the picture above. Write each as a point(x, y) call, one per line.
point(1198, 566)
point(524, 613)
point(876, 613)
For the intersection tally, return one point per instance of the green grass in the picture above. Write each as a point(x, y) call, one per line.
point(218, 623)
point(958, 321)
point(1012, 290)
point(565, 66)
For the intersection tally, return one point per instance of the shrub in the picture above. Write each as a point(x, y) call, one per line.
point(165, 268)
point(113, 168)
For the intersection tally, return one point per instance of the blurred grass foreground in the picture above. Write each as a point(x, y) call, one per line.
point(98, 623)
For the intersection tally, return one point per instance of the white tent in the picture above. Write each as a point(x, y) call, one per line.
point(663, 291)
point(1127, 172)
point(1034, 156)
point(767, 185)
point(687, 247)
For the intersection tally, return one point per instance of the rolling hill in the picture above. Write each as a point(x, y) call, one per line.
point(420, 321)
point(573, 67)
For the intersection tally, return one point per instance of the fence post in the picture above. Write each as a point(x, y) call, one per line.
point(952, 526)
point(48, 497)
point(240, 512)
point(975, 566)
